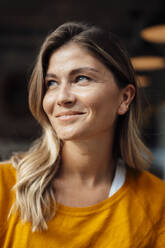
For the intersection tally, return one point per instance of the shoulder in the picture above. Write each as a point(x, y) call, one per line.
point(7, 195)
point(7, 173)
point(149, 191)
point(147, 182)
point(6, 166)
point(7, 181)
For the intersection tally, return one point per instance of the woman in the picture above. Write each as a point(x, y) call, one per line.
point(83, 184)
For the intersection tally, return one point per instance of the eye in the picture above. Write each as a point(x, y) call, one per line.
point(82, 78)
point(50, 83)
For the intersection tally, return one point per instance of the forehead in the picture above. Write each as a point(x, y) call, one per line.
point(71, 56)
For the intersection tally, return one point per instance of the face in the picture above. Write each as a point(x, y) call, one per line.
point(82, 99)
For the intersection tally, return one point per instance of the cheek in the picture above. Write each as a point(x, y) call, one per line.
point(101, 101)
point(48, 103)
point(104, 106)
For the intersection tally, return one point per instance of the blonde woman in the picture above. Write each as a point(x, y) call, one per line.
point(83, 183)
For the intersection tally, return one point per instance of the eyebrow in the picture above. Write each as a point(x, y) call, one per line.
point(75, 71)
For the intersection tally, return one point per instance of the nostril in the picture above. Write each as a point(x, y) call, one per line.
point(69, 102)
point(66, 99)
point(65, 102)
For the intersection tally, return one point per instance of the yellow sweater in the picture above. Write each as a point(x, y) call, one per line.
point(134, 217)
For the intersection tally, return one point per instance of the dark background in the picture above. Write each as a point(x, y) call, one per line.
point(23, 27)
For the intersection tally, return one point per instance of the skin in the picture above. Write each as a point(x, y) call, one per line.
point(78, 81)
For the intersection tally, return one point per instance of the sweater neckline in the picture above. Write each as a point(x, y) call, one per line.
point(98, 207)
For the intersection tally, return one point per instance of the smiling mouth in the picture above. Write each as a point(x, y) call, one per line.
point(68, 114)
point(69, 118)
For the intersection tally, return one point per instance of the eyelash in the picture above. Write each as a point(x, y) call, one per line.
point(49, 82)
point(77, 79)
point(82, 76)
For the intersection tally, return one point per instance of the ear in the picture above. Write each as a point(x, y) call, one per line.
point(127, 95)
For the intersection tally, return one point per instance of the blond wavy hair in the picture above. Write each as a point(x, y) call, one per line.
point(37, 168)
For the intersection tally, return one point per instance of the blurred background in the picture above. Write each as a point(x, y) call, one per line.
point(23, 26)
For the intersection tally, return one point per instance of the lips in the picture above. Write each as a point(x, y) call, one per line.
point(67, 113)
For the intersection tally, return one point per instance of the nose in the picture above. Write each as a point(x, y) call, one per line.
point(65, 96)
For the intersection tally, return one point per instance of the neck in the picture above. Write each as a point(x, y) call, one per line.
point(88, 162)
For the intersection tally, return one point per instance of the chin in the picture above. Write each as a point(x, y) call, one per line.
point(74, 132)
point(69, 135)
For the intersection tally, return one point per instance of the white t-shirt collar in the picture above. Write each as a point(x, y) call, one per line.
point(119, 178)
